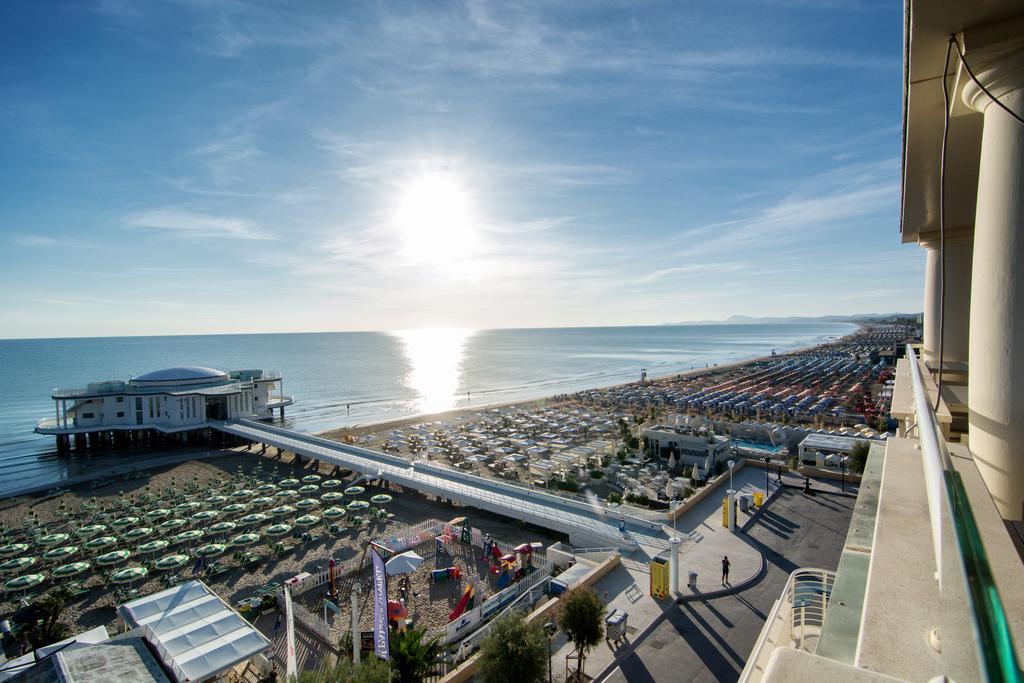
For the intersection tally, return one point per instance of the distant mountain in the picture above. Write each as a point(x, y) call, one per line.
point(743, 319)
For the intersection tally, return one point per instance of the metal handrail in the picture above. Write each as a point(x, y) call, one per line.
point(934, 456)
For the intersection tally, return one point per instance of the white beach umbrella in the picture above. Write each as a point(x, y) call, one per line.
point(404, 563)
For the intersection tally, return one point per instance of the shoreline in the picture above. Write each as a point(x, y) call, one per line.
point(152, 460)
point(364, 428)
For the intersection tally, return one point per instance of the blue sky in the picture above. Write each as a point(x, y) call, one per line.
point(186, 166)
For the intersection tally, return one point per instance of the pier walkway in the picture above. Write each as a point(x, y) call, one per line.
point(586, 525)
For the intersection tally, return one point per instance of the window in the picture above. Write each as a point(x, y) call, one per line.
point(120, 399)
point(120, 413)
point(88, 416)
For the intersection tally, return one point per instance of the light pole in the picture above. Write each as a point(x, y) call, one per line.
point(731, 464)
point(842, 468)
point(767, 466)
point(551, 630)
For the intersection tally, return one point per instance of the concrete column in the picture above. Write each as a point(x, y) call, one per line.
point(996, 393)
point(673, 567)
point(959, 254)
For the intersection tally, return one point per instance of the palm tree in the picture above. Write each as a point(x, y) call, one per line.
point(581, 617)
point(514, 650)
point(414, 658)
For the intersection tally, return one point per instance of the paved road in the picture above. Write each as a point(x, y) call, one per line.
point(710, 640)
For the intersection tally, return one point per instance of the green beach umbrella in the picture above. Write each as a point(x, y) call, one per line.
point(124, 522)
point(358, 505)
point(172, 524)
point(332, 497)
point(25, 582)
point(60, 553)
point(17, 564)
point(100, 542)
point(309, 489)
point(158, 513)
point(334, 512)
point(282, 511)
point(205, 515)
point(152, 546)
point(307, 503)
point(129, 575)
point(255, 518)
point(91, 530)
point(332, 483)
point(52, 539)
point(307, 520)
point(245, 539)
point(139, 532)
point(216, 500)
point(171, 561)
point(190, 535)
point(71, 569)
point(211, 550)
point(312, 479)
point(235, 508)
point(188, 506)
point(13, 549)
point(288, 483)
point(267, 488)
point(287, 493)
point(222, 527)
point(355, 491)
point(242, 493)
point(381, 499)
point(260, 501)
point(278, 530)
point(113, 557)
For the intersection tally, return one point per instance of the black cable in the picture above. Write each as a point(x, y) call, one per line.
point(942, 218)
point(963, 60)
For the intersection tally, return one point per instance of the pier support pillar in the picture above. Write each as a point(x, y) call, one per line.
point(996, 393)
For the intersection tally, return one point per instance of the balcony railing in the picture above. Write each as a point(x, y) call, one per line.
point(975, 635)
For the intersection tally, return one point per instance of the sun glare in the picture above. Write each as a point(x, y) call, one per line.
point(434, 356)
point(434, 220)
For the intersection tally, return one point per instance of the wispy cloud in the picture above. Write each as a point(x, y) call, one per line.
point(189, 223)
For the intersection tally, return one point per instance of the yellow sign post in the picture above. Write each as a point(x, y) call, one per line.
point(659, 577)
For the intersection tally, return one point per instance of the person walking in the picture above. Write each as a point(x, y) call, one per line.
point(725, 570)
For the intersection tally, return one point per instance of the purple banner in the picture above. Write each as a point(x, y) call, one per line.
point(380, 606)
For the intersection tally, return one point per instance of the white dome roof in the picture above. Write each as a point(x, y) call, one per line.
point(183, 373)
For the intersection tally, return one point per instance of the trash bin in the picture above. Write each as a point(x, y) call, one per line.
point(615, 625)
point(745, 503)
point(693, 578)
point(758, 499)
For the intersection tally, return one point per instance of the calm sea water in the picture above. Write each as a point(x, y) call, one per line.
point(360, 377)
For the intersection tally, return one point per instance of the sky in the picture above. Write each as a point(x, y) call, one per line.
point(208, 166)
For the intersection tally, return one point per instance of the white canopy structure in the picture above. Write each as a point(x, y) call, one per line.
point(196, 634)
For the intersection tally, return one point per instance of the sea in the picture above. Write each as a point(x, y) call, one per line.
point(358, 378)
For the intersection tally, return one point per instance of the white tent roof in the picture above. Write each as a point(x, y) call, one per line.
point(195, 633)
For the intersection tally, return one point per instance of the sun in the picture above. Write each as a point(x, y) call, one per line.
point(434, 220)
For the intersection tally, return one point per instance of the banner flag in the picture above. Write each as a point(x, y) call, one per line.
point(380, 606)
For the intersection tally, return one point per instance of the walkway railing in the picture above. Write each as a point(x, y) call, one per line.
point(795, 620)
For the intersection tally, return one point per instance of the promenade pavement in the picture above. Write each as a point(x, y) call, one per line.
point(710, 639)
point(627, 587)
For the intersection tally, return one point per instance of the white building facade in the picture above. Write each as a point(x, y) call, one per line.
point(170, 401)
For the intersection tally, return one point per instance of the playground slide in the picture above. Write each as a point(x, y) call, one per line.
point(463, 602)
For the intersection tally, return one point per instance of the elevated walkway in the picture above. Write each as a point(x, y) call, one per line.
point(586, 525)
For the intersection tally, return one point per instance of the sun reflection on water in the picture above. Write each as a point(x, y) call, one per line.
point(435, 357)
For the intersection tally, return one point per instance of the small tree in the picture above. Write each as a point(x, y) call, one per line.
point(370, 670)
point(413, 657)
point(859, 456)
point(515, 650)
point(45, 626)
point(581, 617)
